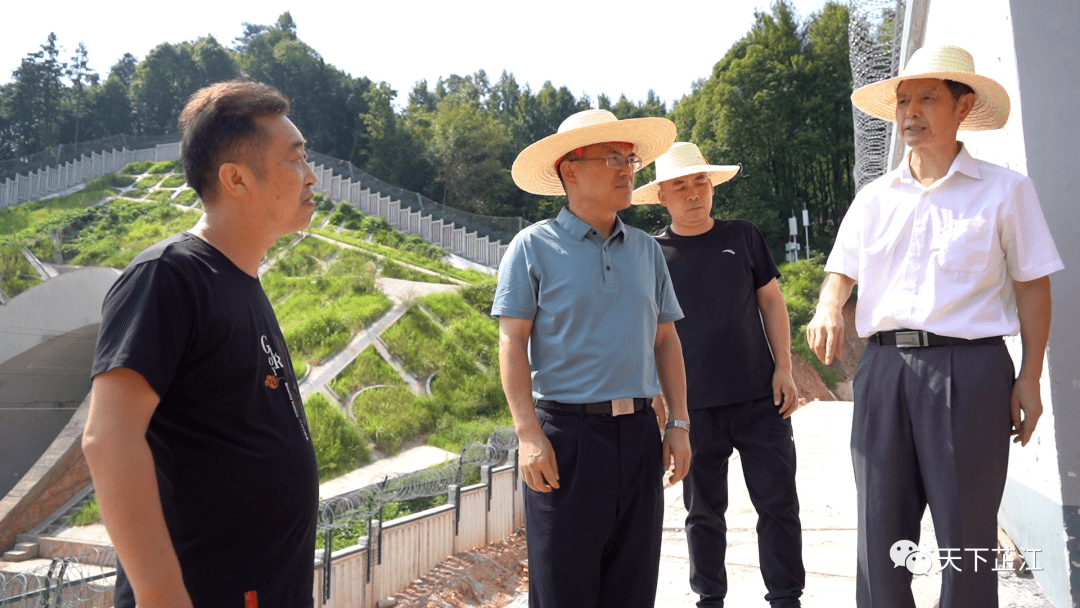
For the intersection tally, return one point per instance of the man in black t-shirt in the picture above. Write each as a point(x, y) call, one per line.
point(197, 439)
point(740, 393)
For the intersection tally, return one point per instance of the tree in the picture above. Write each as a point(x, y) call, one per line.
point(162, 83)
point(33, 104)
point(81, 76)
point(778, 104)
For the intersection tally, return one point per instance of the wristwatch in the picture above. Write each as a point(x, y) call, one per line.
point(682, 424)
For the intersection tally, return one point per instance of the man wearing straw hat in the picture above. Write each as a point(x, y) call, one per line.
point(951, 253)
point(736, 339)
point(586, 318)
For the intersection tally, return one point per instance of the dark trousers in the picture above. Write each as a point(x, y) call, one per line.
point(595, 541)
point(767, 451)
point(931, 427)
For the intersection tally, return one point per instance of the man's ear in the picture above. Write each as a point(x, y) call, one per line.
point(569, 172)
point(233, 180)
point(965, 104)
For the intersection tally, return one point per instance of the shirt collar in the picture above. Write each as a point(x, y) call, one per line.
point(579, 229)
point(964, 163)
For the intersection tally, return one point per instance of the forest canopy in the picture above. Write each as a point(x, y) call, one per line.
point(776, 102)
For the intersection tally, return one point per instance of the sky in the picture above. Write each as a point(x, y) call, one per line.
point(591, 47)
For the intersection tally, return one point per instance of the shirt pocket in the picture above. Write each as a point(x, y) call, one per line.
point(964, 245)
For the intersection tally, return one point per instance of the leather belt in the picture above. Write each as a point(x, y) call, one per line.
point(912, 338)
point(598, 407)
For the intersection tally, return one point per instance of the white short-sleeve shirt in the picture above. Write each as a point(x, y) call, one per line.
point(943, 258)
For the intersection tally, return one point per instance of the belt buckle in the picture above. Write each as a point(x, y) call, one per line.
point(621, 406)
point(910, 339)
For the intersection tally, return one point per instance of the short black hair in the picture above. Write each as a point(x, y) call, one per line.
point(218, 126)
point(958, 89)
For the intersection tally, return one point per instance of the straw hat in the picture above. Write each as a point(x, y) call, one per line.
point(946, 62)
point(534, 169)
point(682, 159)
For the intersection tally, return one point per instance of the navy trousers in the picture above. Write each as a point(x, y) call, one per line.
point(595, 541)
point(931, 427)
point(767, 451)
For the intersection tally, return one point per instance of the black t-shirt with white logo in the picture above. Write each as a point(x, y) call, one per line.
point(716, 276)
point(235, 464)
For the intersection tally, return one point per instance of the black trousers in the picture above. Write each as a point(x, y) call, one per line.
point(767, 451)
point(931, 427)
point(595, 541)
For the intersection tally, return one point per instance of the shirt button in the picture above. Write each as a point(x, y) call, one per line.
point(608, 267)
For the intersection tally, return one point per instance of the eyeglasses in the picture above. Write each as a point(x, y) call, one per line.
point(615, 161)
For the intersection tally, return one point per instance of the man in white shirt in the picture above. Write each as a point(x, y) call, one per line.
point(951, 254)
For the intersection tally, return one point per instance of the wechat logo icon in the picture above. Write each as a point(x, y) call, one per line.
point(907, 554)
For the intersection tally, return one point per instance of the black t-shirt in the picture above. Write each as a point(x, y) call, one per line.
point(236, 469)
point(716, 276)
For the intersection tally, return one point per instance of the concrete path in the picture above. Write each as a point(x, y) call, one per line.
point(827, 496)
point(400, 293)
point(414, 459)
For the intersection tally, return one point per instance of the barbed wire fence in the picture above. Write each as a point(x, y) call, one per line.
point(875, 35)
point(88, 579)
point(364, 504)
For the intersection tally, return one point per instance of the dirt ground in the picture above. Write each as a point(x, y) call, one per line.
point(487, 577)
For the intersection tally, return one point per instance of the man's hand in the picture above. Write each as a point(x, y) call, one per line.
point(785, 393)
point(825, 332)
point(677, 453)
point(1026, 398)
point(536, 459)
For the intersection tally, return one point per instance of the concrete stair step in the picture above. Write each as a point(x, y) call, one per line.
point(22, 552)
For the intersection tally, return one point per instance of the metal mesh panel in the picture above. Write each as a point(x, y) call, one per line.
point(875, 34)
point(494, 227)
point(71, 152)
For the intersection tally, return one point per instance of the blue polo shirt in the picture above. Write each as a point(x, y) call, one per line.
point(594, 304)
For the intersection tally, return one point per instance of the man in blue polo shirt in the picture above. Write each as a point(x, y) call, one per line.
point(586, 316)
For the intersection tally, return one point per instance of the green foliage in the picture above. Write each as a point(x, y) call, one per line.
point(471, 276)
point(174, 181)
point(87, 514)
point(187, 197)
point(478, 336)
point(137, 168)
point(368, 369)
point(416, 339)
point(323, 203)
point(162, 196)
point(339, 445)
point(390, 416)
point(447, 306)
point(136, 193)
point(481, 294)
point(392, 270)
point(148, 181)
point(113, 234)
point(778, 103)
point(315, 328)
point(165, 166)
point(16, 273)
point(801, 282)
point(112, 180)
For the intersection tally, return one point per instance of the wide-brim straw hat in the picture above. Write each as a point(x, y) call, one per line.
point(945, 62)
point(534, 168)
point(682, 159)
